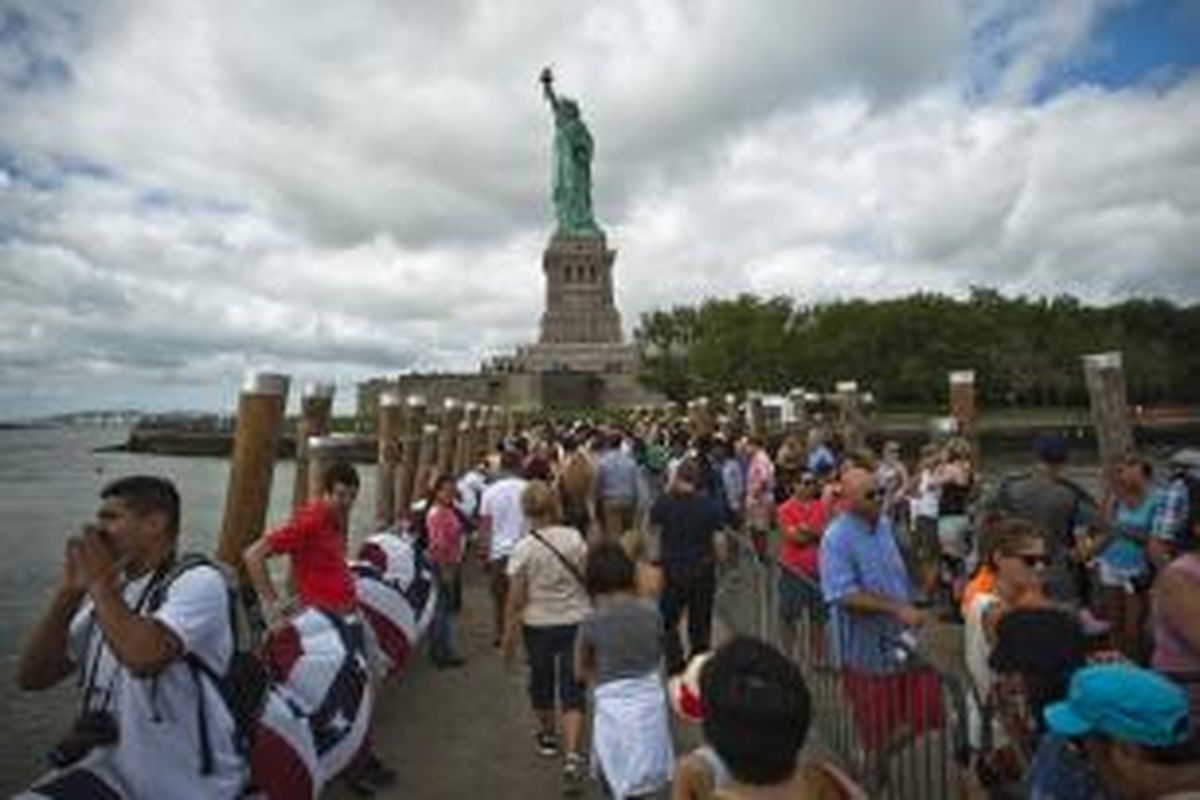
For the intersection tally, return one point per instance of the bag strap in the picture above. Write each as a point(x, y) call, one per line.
point(196, 665)
point(566, 562)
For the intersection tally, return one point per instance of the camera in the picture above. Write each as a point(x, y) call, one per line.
point(91, 730)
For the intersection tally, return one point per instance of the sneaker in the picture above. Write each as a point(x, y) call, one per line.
point(379, 773)
point(449, 662)
point(573, 775)
point(371, 776)
point(547, 743)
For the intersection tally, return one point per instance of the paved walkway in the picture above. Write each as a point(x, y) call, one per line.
point(467, 733)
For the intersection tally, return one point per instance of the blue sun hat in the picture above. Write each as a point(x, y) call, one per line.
point(1122, 702)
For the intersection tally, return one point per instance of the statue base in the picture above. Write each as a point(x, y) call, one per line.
point(579, 292)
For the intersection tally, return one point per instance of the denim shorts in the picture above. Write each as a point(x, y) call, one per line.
point(798, 594)
point(551, 653)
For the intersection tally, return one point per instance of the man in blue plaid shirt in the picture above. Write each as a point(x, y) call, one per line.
point(1172, 519)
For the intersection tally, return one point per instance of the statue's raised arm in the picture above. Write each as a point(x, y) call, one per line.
point(547, 79)
point(572, 165)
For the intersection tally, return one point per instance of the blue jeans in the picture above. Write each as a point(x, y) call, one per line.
point(440, 629)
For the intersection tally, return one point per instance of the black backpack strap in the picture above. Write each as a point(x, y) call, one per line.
point(182, 564)
point(197, 668)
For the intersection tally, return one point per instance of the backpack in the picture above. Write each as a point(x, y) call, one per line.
point(244, 684)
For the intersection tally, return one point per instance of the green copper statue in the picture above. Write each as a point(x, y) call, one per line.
point(572, 165)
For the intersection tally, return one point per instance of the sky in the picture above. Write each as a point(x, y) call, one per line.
point(192, 191)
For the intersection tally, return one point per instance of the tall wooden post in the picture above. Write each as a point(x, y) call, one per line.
point(414, 421)
point(1105, 376)
point(255, 445)
point(472, 437)
point(388, 453)
point(850, 421)
point(448, 431)
point(462, 448)
point(799, 411)
point(962, 401)
point(755, 416)
point(316, 413)
point(426, 460)
point(323, 451)
point(494, 427)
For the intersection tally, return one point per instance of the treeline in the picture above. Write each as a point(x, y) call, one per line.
point(1025, 351)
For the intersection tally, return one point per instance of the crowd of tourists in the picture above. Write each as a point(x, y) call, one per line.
point(602, 547)
point(1076, 610)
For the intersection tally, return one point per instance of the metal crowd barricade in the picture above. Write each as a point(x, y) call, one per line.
point(901, 732)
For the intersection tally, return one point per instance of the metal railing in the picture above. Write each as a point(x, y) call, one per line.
point(898, 726)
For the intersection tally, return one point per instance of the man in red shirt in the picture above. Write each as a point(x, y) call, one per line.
point(315, 540)
point(801, 519)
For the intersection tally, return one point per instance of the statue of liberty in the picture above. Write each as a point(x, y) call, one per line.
point(572, 165)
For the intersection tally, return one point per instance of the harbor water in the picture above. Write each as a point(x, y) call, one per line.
point(50, 479)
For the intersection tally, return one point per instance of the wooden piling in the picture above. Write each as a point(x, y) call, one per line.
point(1105, 377)
point(755, 417)
point(799, 412)
point(472, 436)
point(426, 461)
point(447, 433)
point(252, 466)
point(316, 414)
point(323, 451)
point(462, 448)
point(962, 401)
point(388, 433)
point(850, 421)
point(493, 425)
point(410, 444)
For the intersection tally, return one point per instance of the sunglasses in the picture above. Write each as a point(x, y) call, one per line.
point(1031, 559)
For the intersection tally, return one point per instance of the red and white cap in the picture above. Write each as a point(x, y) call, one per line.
point(683, 690)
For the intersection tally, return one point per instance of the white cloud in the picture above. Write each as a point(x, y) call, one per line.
point(343, 191)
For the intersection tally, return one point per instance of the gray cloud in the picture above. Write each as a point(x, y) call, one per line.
point(192, 190)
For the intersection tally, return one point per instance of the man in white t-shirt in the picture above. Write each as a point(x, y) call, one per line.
point(471, 485)
point(143, 731)
point(501, 524)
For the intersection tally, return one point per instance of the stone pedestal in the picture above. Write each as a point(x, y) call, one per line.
point(579, 292)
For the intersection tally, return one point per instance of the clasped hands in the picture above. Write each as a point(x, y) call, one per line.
point(89, 561)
